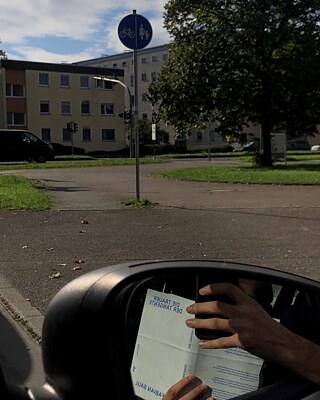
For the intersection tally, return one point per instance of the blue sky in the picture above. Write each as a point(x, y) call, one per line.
point(71, 30)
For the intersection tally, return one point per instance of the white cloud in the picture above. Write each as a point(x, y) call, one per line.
point(28, 25)
point(29, 53)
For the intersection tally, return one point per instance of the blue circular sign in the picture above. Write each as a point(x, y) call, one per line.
point(135, 31)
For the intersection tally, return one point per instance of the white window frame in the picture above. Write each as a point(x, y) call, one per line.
point(87, 103)
point(104, 109)
point(42, 103)
point(64, 103)
point(43, 74)
point(11, 86)
point(87, 78)
point(13, 119)
point(45, 140)
point(108, 129)
point(62, 85)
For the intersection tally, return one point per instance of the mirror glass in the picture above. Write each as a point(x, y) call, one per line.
point(163, 349)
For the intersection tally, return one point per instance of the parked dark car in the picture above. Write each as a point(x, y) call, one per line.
point(298, 145)
point(21, 145)
point(62, 150)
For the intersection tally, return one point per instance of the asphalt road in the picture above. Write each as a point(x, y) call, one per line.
point(272, 226)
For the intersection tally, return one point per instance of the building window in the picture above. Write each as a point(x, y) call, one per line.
point(124, 64)
point(65, 81)
point(144, 116)
point(108, 135)
point(84, 82)
point(144, 60)
point(107, 85)
point(199, 137)
point(44, 107)
point(46, 134)
point(66, 107)
point(85, 107)
point(154, 58)
point(66, 135)
point(16, 118)
point(153, 76)
point(107, 109)
point(165, 56)
point(86, 134)
point(131, 80)
point(43, 79)
point(143, 77)
point(114, 65)
point(13, 90)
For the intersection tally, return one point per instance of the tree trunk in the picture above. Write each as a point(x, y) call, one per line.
point(266, 158)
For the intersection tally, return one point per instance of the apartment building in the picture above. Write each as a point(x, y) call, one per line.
point(150, 63)
point(43, 98)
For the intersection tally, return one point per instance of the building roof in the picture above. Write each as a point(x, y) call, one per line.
point(71, 68)
point(129, 53)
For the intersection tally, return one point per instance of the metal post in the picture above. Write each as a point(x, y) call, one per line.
point(209, 141)
point(136, 114)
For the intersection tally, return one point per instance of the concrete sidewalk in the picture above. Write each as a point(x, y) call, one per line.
point(20, 338)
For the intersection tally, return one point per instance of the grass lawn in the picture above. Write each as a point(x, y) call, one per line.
point(18, 193)
point(293, 174)
point(79, 163)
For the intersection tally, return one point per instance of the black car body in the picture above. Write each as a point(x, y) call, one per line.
point(22, 145)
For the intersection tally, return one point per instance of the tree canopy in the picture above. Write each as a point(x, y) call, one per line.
point(240, 62)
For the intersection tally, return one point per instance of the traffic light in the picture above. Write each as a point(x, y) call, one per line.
point(75, 127)
point(127, 117)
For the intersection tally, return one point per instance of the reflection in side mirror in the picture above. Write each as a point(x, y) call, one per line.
point(115, 329)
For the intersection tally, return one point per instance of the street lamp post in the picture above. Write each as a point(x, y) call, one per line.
point(130, 105)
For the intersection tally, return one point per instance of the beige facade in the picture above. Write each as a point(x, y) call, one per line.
point(150, 63)
point(43, 98)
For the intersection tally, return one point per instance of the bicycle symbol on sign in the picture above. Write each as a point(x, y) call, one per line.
point(127, 32)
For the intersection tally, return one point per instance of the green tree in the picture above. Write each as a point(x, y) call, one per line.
point(240, 62)
point(3, 55)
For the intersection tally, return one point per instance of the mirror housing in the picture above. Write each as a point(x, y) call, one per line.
point(83, 341)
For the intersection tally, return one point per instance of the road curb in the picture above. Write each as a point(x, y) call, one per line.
point(28, 317)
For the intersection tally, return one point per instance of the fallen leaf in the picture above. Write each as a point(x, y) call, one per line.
point(82, 231)
point(24, 247)
point(62, 264)
point(55, 275)
point(50, 249)
point(76, 268)
point(84, 221)
point(79, 261)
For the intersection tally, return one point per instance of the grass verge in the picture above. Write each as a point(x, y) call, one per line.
point(18, 193)
point(294, 174)
point(79, 163)
point(135, 203)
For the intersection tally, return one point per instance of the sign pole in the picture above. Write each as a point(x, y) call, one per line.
point(135, 32)
point(136, 122)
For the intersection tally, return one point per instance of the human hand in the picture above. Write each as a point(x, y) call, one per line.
point(188, 388)
point(251, 327)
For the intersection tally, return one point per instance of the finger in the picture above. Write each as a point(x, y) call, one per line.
point(214, 324)
point(227, 289)
point(175, 389)
point(221, 343)
point(212, 307)
point(195, 392)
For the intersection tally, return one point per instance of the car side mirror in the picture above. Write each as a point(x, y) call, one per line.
point(91, 326)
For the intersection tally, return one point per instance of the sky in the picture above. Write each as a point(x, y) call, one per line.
point(67, 31)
